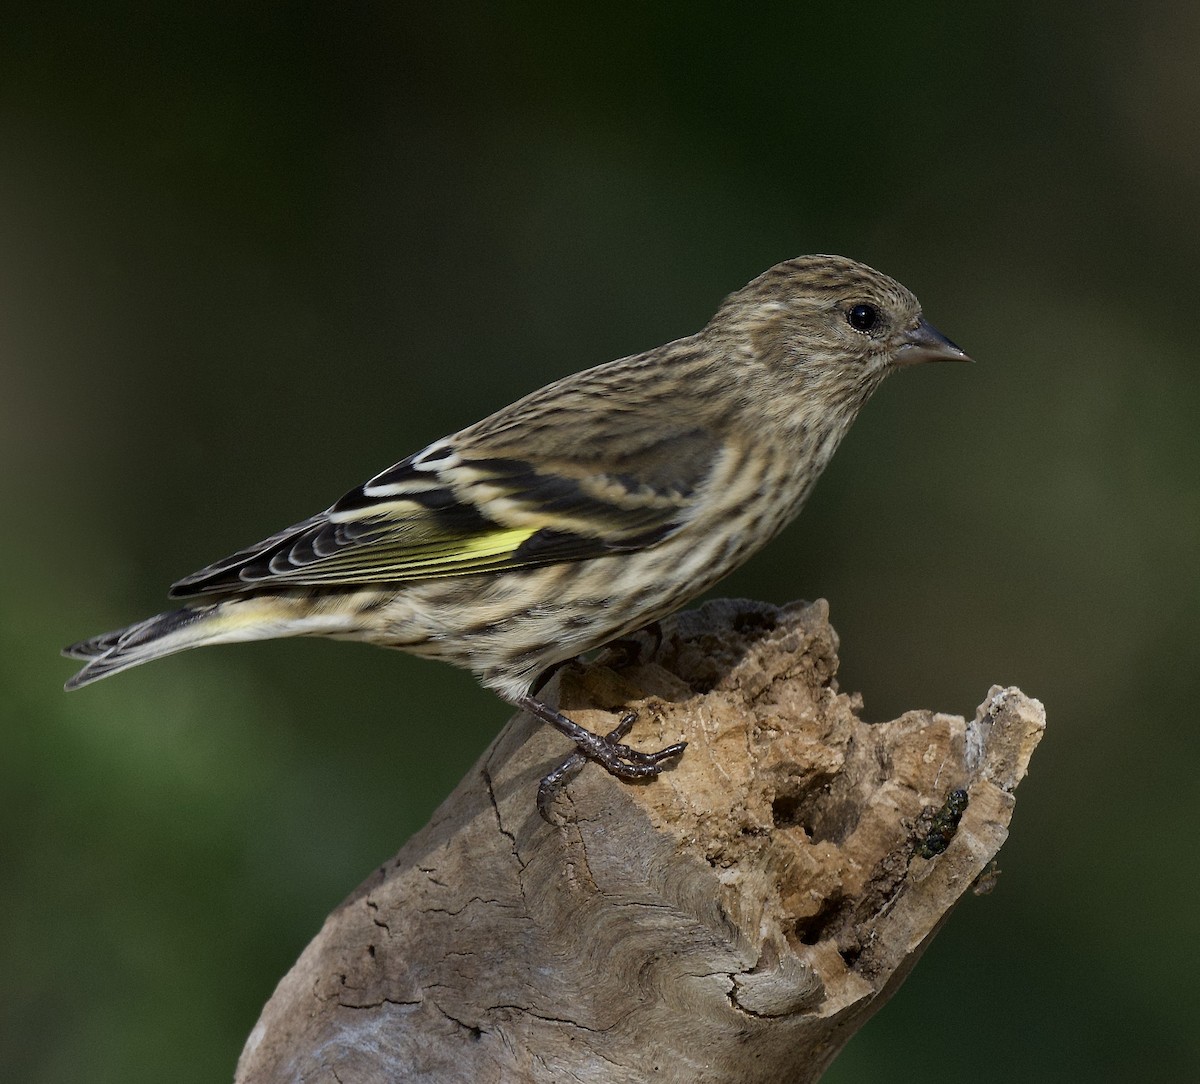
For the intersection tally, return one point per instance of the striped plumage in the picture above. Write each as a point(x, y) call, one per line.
point(583, 511)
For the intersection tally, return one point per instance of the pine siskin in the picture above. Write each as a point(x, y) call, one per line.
point(578, 514)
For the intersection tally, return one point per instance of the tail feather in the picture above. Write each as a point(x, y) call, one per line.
point(194, 626)
point(153, 638)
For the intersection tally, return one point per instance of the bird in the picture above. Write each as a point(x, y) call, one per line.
point(579, 514)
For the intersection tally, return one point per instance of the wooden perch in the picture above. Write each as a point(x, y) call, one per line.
point(735, 920)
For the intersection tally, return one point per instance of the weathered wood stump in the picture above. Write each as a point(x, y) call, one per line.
point(736, 919)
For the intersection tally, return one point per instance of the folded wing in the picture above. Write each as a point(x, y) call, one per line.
point(476, 505)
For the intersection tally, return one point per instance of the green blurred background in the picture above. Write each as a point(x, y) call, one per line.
point(249, 257)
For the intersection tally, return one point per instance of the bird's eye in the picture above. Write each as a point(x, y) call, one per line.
point(863, 317)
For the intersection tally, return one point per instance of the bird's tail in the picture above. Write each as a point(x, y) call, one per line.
point(225, 622)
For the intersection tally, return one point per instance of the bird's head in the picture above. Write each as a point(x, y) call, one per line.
point(832, 322)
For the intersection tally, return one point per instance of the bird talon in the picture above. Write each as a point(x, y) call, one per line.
point(619, 760)
point(553, 783)
point(622, 728)
point(669, 751)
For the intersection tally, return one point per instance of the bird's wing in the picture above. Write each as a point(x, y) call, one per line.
point(477, 502)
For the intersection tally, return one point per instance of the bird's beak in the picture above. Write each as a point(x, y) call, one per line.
point(925, 343)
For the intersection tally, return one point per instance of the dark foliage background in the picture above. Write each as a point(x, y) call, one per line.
point(250, 256)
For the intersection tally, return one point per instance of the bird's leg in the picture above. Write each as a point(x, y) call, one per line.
point(549, 787)
point(629, 652)
point(552, 784)
point(617, 759)
point(543, 679)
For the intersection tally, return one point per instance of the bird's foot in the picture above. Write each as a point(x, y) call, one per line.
point(607, 750)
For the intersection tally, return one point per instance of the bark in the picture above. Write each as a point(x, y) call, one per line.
point(736, 919)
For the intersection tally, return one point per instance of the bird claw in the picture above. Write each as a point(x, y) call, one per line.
point(607, 750)
point(628, 755)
